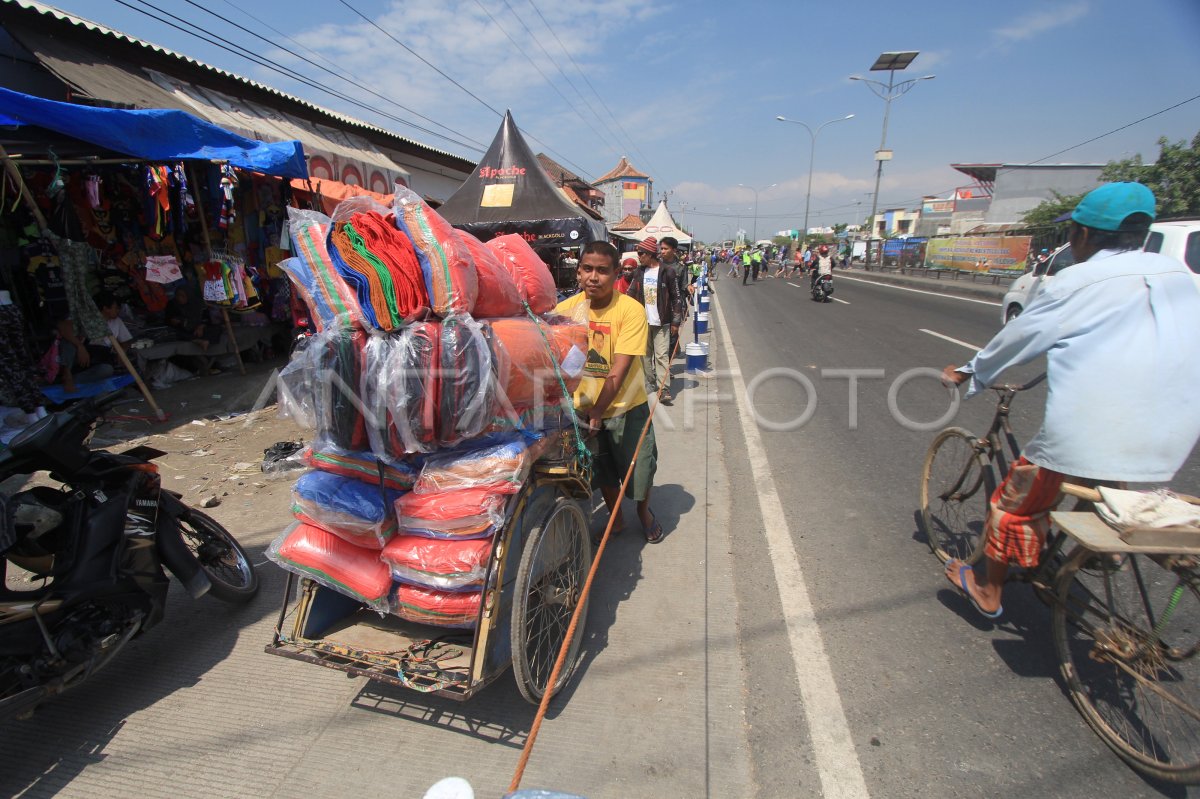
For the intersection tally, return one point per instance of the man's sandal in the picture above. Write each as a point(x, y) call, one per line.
point(654, 533)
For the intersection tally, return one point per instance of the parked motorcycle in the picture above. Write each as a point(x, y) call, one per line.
point(822, 288)
point(97, 544)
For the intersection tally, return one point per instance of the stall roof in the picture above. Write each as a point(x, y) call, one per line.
point(45, 30)
point(152, 135)
point(511, 193)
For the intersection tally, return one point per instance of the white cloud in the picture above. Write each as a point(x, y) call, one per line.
point(1039, 22)
point(460, 39)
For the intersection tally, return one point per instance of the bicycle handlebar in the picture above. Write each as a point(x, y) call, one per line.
point(1020, 386)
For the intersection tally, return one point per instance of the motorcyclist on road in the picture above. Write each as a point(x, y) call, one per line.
point(822, 264)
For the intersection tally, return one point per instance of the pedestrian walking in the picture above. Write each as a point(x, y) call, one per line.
point(747, 262)
point(656, 289)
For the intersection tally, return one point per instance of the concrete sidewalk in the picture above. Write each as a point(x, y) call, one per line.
point(197, 709)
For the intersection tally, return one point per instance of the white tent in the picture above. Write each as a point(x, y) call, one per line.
point(660, 225)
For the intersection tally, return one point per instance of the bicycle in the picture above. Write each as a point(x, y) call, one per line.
point(1126, 617)
point(957, 465)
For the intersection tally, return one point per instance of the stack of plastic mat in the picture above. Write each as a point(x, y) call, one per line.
point(435, 369)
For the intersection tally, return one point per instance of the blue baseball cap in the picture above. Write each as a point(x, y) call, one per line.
point(1106, 207)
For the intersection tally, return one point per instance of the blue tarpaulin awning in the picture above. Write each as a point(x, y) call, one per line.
point(153, 134)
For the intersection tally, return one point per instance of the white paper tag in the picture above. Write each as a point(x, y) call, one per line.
point(572, 365)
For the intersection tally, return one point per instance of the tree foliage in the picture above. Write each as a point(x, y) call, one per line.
point(1174, 177)
point(1045, 212)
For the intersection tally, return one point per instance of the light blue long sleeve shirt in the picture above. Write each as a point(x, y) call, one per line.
point(1121, 335)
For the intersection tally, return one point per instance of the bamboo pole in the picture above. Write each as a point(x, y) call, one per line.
point(19, 179)
point(237, 353)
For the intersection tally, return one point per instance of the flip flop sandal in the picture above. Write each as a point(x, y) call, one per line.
point(655, 534)
point(961, 585)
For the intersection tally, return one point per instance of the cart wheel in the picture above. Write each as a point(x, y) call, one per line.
point(554, 567)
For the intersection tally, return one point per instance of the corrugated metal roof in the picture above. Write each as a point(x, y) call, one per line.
point(96, 27)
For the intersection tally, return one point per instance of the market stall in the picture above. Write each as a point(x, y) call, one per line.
point(179, 224)
point(510, 193)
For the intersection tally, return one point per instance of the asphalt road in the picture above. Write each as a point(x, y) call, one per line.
point(938, 701)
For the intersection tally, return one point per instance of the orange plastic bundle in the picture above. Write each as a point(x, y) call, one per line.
point(354, 571)
point(392, 247)
point(433, 563)
point(439, 608)
point(450, 278)
point(462, 513)
point(498, 294)
point(531, 350)
point(529, 272)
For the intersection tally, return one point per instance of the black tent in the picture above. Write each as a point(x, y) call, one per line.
point(509, 192)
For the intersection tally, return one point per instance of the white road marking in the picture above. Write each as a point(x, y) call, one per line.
point(835, 299)
point(833, 748)
point(920, 291)
point(951, 340)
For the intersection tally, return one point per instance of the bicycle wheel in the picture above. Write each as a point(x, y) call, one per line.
point(955, 488)
point(1127, 630)
point(554, 567)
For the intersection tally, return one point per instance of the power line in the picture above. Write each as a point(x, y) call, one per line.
point(583, 75)
point(545, 77)
point(225, 44)
point(360, 84)
point(608, 130)
point(432, 66)
point(1115, 130)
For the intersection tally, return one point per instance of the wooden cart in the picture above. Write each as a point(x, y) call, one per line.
point(539, 563)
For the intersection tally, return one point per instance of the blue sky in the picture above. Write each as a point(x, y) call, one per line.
point(695, 86)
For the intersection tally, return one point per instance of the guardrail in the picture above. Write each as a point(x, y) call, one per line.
point(994, 276)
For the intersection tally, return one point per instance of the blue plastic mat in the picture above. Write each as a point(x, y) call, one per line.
point(84, 390)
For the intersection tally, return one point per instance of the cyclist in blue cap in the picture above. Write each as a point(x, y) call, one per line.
point(1121, 334)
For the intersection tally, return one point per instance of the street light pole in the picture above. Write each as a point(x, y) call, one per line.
point(812, 155)
point(890, 63)
point(754, 235)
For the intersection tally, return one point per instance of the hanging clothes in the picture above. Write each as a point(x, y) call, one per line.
point(18, 373)
point(158, 187)
point(78, 260)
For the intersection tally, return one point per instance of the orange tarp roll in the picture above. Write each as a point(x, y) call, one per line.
point(531, 351)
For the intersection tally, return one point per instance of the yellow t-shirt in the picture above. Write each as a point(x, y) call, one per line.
point(619, 329)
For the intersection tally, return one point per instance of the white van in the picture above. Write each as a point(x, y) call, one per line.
point(1178, 238)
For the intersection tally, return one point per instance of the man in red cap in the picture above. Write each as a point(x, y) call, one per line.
point(655, 286)
point(626, 277)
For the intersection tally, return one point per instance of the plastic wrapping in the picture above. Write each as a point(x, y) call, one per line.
point(463, 513)
point(534, 282)
point(382, 434)
point(334, 563)
point(340, 361)
point(534, 354)
point(378, 261)
point(331, 303)
point(358, 512)
point(450, 278)
point(438, 608)
point(442, 565)
point(299, 383)
point(498, 294)
point(398, 475)
point(500, 462)
point(469, 387)
point(402, 383)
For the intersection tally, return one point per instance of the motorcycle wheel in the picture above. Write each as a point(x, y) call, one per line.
point(224, 561)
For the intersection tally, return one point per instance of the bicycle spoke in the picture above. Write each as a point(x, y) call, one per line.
point(1120, 637)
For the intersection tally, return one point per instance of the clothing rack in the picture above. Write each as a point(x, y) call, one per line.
point(15, 173)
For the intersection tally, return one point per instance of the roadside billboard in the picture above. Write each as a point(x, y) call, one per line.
point(967, 252)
